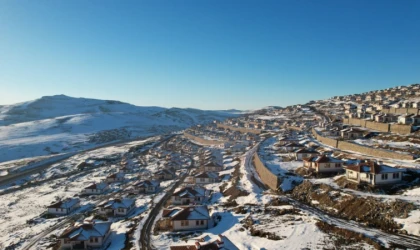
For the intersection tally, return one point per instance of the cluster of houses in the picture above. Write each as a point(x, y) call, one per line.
point(391, 94)
point(229, 140)
point(187, 210)
point(368, 172)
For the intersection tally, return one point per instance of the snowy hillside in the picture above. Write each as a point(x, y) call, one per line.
point(56, 124)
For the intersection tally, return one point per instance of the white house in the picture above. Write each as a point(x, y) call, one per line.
point(293, 146)
point(64, 207)
point(146, 186)
point(190, 195)
point(117, 177)
point(302, 153)
point(323, 164)
point(164, 174)
point(352, 133)
point(96, 188)
point(190, 218)
point(374, 174)
point(212, 166)
point(117, 207)
point(85, 235)
point(206, 178)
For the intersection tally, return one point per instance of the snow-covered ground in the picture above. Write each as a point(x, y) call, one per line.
point(279, 167)
point(57, 124)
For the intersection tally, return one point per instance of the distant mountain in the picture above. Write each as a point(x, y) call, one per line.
point(56, 124)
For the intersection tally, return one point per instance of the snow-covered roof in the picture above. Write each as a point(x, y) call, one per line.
point(67, 203)
point(117, 203)
point(187, 213)
point(84, 231)
point(100, 186)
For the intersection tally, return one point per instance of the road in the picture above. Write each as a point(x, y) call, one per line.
point(79, 214)
point(412, 242)
point(148, 224)
point(16, 176)
point(409, 241)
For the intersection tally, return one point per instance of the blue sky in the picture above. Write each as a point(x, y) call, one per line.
point(206, 54)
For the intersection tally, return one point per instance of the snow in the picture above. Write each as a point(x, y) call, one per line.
point(57, 124)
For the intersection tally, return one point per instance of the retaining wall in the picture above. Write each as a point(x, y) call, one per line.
point(269, 179)
point(380, 126)
point(384, 127)
point(343, 145)
point(240, 129)
point(401, 111)
point(400, 128)
point(202, 140)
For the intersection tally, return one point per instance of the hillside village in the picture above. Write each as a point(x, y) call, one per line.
point(341, 173)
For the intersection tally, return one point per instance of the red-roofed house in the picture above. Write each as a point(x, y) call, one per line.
point(374, 174)
point(323, 164)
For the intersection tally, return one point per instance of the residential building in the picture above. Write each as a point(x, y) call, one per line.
point(85, 235)
point(64, 207)
point(190, 218)
point(373, 173)
point(323, 164)
point(117, 207)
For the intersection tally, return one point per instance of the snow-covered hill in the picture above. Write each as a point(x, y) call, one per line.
point(56, 124)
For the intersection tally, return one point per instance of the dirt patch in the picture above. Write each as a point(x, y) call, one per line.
point(248, 223)
point(234, 192)
point(343, 237)
point(371, 211)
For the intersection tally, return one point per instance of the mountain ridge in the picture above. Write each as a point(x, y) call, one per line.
point(59, 123)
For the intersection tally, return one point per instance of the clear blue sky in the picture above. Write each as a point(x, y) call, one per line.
point(206, 54)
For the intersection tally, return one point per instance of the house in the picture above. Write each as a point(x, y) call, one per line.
point(352, 133)
point(117, 207)
point(373, 173)
point(117, 177)
point(293, 146)
point(416, 105)
point(286, 140)
point(190, 195)
point(212, 167)
point(164, 174)
point(96, 188)
point(206, 243)
point(206, 178)
point(302, 153)
point(323, 164)
point(85, 235)
point(405, 119)
point(64, 207)
point(189, 218)
point(146, 187)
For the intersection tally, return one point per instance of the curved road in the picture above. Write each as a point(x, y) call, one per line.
point(409, 241)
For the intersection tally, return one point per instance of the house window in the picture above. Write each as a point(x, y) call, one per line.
point(197, 222)
point(96, 240)
point(202, 179)
point(184, 223)
point(396, 175)
point(202, 222)
point(327, 165)
point(384, 176)
point(337, 165)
